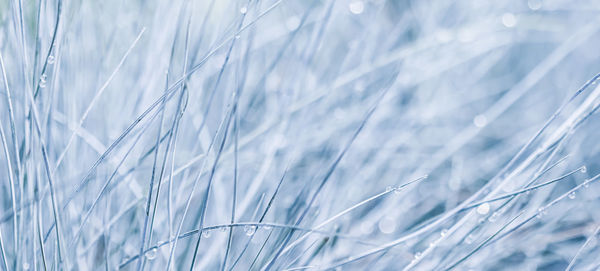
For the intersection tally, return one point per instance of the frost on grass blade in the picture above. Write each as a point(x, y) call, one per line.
point(299, 135)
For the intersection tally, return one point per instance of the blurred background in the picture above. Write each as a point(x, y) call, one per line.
point(299, 135)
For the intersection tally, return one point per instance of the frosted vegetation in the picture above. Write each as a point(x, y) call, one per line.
point(299, 135)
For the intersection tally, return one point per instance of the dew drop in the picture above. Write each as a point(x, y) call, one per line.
point(250, 230)
point(397, 191)
point(389, 189)
point(387, 225)
point(493, 217)
point(534, 4)
point(541, 212)
point(51, 59)
point(206, 233)
point(509, 20)
point(243, 10)
point(237, 37)
point(223, 229)
point(469, 239)
point(267, 227)
point(418, 255)
point(480, 121)
point(444, 232)
point(583, 169)
point(357, 7)
point(572, 195)
point(483, 209)
point(43, 81)
point(26, 266)
point(151, 254)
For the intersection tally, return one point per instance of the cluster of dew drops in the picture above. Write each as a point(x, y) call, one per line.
point(249, 230)
point(43, 77)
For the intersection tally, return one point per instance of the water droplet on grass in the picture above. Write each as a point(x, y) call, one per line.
point(534, 4)
point(357, 7)
point(541, 212)
point(469, 239)
point(250, 230)
point(480, 121)
point(483, 209)
point(151, 254)
point(387, 225)
point(509, 20)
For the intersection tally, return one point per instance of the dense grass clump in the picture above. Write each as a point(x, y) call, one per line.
point(299, 135)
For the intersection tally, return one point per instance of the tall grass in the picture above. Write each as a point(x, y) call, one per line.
point(299, 135)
